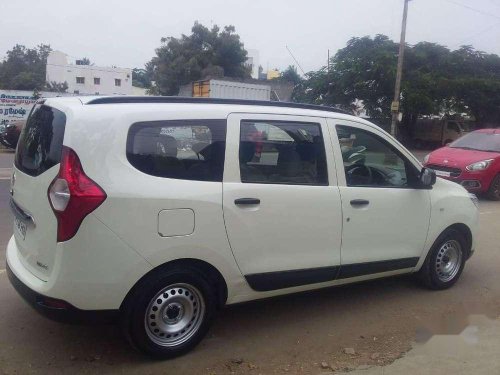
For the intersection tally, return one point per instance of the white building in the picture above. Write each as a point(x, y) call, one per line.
point(88, 79)
point(253, 61)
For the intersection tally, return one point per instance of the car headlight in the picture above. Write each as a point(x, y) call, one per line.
point(426, 158)
point(479, 166)
point(474, 199)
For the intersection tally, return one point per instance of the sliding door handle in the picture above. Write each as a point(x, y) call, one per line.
point(359, 202)
point(247, 201)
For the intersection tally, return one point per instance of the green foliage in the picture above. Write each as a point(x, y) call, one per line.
point(56, 87)
point(291, 76)
point(83, 61)
point(24, 68)
point(141, 78)
point(435, 80)
point(206, 52)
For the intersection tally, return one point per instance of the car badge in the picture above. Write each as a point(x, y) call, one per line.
point(445, 161)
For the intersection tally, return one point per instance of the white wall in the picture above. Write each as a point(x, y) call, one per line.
point(61, 68)
point(253, 60)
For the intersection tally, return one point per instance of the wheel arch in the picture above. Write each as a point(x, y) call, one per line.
point(460, 227)
point(467, 233)
point(213, 274)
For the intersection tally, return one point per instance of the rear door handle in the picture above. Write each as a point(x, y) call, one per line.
point(247, 201)
point(359, 202)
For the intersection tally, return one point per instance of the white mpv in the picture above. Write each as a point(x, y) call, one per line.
point(157, 211)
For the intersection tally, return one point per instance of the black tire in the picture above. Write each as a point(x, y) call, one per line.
point(494, 190)
point(135, 323)
point(429, 275)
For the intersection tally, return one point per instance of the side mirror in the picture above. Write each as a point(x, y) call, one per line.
point(427, 177)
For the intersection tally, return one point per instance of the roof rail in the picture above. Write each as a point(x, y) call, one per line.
point(180, 99)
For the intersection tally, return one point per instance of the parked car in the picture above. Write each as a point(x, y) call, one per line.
point(472, 161)
point(10, 134)
point(438, 132)
point(156, 212)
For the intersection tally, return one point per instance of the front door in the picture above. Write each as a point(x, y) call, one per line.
point(282, 207)
point(386, 216)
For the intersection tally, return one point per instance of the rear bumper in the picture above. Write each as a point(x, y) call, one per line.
point(60, 310)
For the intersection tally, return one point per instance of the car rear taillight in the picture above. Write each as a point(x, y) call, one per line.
point(72, 195)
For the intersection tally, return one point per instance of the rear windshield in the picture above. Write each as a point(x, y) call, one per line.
point(40, 143)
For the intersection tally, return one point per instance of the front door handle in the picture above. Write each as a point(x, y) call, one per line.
point(247, 201)
point(359, 202)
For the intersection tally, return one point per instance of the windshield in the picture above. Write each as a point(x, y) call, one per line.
point(479, 141)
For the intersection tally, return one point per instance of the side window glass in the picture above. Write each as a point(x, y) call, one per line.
point(277, 152)
point(189, 150)
point(370, 161)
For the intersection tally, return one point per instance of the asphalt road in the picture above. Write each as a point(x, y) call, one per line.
point(301, 333)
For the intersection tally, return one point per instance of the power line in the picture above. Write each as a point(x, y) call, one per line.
point(293, 57)
point(473, 36)
point(484, 13)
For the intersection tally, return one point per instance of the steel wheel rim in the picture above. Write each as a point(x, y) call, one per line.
point(448, 260)
point(174, 315)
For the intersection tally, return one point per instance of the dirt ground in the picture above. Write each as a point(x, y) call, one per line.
point(332, 330)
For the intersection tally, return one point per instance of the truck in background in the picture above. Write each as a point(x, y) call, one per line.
point(218, 88)
point(437, 132)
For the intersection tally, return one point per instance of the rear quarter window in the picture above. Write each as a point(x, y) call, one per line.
point(41, 140)
point(184, 149)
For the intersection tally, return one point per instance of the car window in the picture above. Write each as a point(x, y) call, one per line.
point(277, 152)
point(190, 150)
point(41, 140)
point(371, 161)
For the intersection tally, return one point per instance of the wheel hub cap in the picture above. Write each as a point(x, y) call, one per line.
point(174, 315)
point(448, 260)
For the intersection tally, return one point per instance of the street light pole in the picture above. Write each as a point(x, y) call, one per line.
point(399, 73)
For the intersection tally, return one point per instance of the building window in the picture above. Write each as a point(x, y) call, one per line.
point(97, 81)
point(80, 80)
point(118, 82)
point(76, 92)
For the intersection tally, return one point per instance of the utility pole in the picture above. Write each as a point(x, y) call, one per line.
point(397, 89)
point(328, 62)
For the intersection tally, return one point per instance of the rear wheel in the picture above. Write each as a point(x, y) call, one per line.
point(445, 262)
point(169, 313)
point(494, 190)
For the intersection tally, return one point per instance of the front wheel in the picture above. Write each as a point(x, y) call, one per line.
point(445, 262)
point(169, 313)
point(494, 190)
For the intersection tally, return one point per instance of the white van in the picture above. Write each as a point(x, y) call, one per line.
point(155, 212)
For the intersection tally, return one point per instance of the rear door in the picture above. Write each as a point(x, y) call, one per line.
point(282, 207)
point(36, 164)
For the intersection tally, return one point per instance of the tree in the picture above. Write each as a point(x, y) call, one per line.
point(24, 68)
point(436, 81)
point(83, 61)
point(206, 52)
point(141, 78)
point(56, 87)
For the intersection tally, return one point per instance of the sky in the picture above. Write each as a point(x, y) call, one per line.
point(125, 33)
